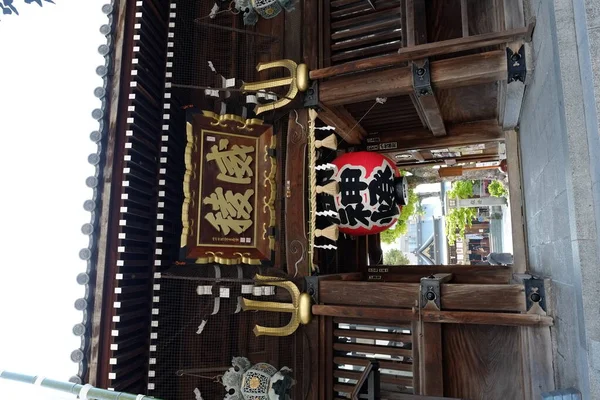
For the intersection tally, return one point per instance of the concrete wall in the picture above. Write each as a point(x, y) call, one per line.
point(561, 168)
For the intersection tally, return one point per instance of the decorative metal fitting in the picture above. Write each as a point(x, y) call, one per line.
point(422, 78)
point(517, 66)
point(311, 96)
point(535, 295)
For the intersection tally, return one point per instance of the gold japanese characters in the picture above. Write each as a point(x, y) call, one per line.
point(228, 211)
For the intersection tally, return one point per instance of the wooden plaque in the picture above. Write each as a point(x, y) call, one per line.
point(228, 213)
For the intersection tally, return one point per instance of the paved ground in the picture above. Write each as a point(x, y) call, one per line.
point(560, 167)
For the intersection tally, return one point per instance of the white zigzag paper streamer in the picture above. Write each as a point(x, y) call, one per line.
point(328, 213)
point(325, 128)
point(324, 167)
point(326, 247)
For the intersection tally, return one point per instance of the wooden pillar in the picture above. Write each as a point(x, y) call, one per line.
point(295, 222)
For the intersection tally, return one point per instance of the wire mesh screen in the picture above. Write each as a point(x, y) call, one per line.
point(201, 328)
point(210, 51)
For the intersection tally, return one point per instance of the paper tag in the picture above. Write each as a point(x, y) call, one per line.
point(230, 82)
point(211, 92)
point(210, 139)
point(204, 290)
point(224, 293)
point(247, 289)
point(251, 99)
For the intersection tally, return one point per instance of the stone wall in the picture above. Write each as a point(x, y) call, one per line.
point(561, 167)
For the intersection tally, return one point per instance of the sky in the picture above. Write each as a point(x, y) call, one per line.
point(48, 58)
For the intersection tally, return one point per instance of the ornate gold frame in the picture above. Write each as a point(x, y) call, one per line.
point(240, 124)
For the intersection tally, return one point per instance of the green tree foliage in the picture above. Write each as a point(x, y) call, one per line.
point(461, 190)
point(497, 189)
point(395, 257)
point(401, 227)
point(457, 222)
point(458, 219)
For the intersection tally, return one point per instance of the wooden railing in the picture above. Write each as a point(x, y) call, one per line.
point(357, 343)
point(362, 29)
point(428, 338)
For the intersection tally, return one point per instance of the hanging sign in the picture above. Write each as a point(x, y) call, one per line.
point(228, 213)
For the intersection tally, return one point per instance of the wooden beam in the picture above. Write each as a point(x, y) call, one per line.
point(509, 298)
point(486, 318)
point(310, 37)
point(416, 22)
point(344, 123)
point(442, 317)
point(536, 351)
point(458, 135)
point(464, 13)
point(431, 370)
point(368, 313)
point(441, 161)
point(362, 293)
point(416, 34)
point(462, 297)
point(426, 103)
point(445, 74)
point(426, 50)
point(461, 273)
point(516, 202)
point(295, 222)
point(510, 96)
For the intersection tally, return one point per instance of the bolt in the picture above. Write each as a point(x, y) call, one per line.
point(515, 57)
point(430, 296)
point(424, 92)
point(535, 297)
point(311, 291)
point(421, 71)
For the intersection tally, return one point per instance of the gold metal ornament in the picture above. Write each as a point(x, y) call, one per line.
point(300, 307)
point(297, 81)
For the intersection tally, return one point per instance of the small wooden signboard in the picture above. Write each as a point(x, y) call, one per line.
point(228, 213)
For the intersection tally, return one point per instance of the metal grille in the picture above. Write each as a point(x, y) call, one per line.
point(231, 48)
point(186, 361)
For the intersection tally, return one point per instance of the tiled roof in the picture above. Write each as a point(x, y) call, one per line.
point(83, 329)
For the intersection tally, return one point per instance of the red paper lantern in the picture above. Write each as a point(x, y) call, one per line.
point(371, 193)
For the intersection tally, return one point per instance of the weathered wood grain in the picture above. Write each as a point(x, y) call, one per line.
point(344, 123)
point(382, 315)
point(509, 298)
point(516, 202)
point(431, 369)
point(368, 294)
point(485, 318)
point(423, 51)
point(458, 135)
point(295, 221)
point(455, 72)
point(482, 362)
point(461, 273)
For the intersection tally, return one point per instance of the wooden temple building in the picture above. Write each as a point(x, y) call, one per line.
point(209, 239)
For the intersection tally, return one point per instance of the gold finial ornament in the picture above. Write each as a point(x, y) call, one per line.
point(297, 81)
point(332, 232)
point(302, 79)
point(329, 142)
point(332, 188)
point(300, 307)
